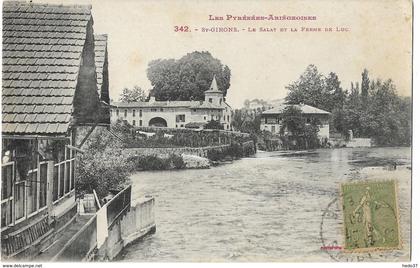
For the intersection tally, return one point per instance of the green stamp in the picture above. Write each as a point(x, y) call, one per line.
point(370, 216)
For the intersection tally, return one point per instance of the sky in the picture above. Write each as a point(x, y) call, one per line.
point(262, 63)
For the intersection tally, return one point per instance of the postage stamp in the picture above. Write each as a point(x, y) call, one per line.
point(371, 219)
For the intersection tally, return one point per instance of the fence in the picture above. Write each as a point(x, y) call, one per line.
point(118, 205)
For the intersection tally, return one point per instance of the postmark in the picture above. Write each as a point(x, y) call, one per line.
point(370, 216)
point(331, 238)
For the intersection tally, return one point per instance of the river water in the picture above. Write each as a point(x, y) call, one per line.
point(265, 208)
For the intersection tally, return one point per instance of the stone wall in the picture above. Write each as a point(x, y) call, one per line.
point(359, 142)
point(198, 151)
point(248, 147)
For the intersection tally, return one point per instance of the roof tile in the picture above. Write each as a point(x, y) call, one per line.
point(42, 46)
point(41, 128)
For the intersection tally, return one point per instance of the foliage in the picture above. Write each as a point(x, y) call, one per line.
point(154, 162)
point(381, 115)
point(314, 89)
point(365, 84)
point(213, 124)
point(376, 112)
point(188, 77)
point(297, 132)
point(234, 151)
point(245, 122)
point(176, 138)
point(133, 95)
point(103, 166)
point(177, 161)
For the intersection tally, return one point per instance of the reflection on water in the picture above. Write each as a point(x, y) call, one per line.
point(265, 208)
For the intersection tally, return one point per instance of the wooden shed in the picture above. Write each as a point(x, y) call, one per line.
point(50, 88)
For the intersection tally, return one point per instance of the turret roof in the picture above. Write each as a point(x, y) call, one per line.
point(213, 87)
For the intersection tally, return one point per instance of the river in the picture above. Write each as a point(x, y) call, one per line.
point(265, 208)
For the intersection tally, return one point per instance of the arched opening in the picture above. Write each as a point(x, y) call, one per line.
point(157, 122)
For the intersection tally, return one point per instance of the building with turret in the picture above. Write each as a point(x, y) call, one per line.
point(176, 114)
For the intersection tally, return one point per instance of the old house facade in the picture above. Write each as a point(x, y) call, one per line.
point(271, 120)
point(176, 114)
point(49, 90)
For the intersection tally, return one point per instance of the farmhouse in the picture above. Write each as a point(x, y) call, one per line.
point(176, 114)
point(50, 88)
point(271, 120)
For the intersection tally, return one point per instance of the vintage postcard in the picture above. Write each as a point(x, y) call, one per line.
point(206, 131)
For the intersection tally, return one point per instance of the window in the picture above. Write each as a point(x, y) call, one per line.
point(228, 118)
point(32, 191)
point(204, 118)
point(210, 100)
point(195, 110)
point(220, 101)
point(134, 113)
point(270, 120)
point(7, 180)
point(43, 185)
point(118, 112)
point(182, 125)
point(19, 200)
point(55, 183)
point(273, 129)
point(134, 122)
point(161, 109)
point(153, 110)
point(63, 177)
point(140, 123)
point(140, 113)
point(125, 113)
point(180, 118)
point(62, 174)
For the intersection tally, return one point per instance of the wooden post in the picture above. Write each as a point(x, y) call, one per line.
point(50, 181)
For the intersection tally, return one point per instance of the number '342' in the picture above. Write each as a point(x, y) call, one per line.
point(181, 29)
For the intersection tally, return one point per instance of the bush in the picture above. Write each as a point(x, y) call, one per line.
point(235, 150)
point(154, 162)
point(215, 155)
point(102, 167)
point(177, 161)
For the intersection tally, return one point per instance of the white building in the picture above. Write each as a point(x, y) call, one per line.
point(176, 114)
point(272, 119)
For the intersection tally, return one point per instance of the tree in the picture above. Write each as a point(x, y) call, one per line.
point(308, 89)
point(335, 95)
point(296, 131)
point(133, 95)
point(380, 114)
point(188, 77)
point(213, 124)
point(314, 89)
point(365, 83)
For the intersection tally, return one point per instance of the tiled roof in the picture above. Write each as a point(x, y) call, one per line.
point(306, 109)
point(42, 48)
point(213, 87)
point(100, 49)
point(158, 104)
